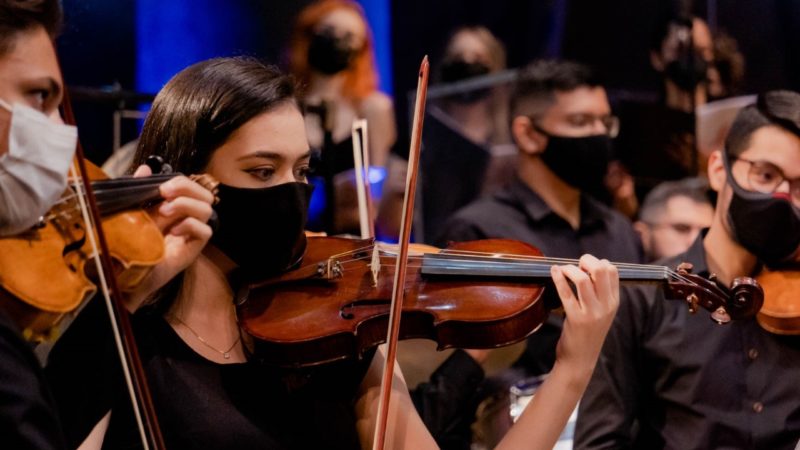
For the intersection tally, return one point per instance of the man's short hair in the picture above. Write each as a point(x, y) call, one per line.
point(536, 84)
point(773, 108)
point(696, 189)
point(17, 16)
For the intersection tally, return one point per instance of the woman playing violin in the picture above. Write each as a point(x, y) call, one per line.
point(239, 121)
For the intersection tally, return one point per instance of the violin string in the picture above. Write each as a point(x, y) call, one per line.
point(543, 260)
point(489, 263)
point(511, 257)
point(152, 181)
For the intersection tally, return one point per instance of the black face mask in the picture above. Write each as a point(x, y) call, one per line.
point(687, 71)
point(582, 162)
point(766, 225)
point(262, 230)
point(329, 54)
point(458, 70)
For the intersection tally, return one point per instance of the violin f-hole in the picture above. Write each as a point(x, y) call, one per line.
point(346, 311)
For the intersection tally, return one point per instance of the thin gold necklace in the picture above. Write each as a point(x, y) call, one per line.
point(225, 354)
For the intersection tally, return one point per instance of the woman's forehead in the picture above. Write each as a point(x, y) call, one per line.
point(344, 21)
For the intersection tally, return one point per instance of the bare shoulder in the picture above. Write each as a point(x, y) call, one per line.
point(377, 103)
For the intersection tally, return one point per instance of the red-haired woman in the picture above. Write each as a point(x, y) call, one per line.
point(331, 54)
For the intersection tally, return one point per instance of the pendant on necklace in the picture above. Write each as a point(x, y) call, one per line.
point(226, 355)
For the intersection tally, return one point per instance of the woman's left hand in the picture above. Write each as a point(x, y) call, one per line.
point(183, 219)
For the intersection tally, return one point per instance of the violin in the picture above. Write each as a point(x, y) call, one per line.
point(781, 311)
point(480, 294)
point(45, 270)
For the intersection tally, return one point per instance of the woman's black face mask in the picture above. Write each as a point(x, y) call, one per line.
point(262, 230)
point(329, 54)
point(765, 224)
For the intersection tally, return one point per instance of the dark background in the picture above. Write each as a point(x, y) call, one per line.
point(138, 44)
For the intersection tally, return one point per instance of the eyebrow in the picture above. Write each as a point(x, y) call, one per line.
point(263, 154)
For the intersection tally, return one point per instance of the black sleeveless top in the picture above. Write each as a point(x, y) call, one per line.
point(204, 405)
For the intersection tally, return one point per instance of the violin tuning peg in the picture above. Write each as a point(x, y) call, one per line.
point(692, 300)
point(685, 267)
point(157, 165)
point(721, 316)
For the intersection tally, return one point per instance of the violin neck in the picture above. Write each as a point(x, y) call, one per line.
point(532, 269)
point(125, 193)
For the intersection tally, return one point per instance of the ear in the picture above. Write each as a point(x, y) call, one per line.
point(643, 230)
point(529, 141)
point(656, 61)
point(716, 171)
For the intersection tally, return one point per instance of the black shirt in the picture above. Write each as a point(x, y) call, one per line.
point(686, 383)
point(516, 212)
point(204, 405)
point(28, 418)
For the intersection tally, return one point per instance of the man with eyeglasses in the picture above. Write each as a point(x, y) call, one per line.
point(670, 380)
point(672, 216)
point(562, 125)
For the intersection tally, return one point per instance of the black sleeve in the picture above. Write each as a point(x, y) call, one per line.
point(84, 372)
point(28, 418)
point(458, 229)
point(446, 402)
point(607, 412)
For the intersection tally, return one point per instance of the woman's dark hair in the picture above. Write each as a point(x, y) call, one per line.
point(776, 108)
point(198, 110)
point(201, 106)
point(17, 16)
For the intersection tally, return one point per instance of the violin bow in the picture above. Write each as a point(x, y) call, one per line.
point(135, 379)
point(398, 290)
point(361, 159)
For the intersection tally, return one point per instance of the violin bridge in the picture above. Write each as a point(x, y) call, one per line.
point(375, 264)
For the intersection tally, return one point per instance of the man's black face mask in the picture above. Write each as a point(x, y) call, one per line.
point(767, 225)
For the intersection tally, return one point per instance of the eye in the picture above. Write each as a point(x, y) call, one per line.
point(262, 173)
point(301, 173)
point(581, 120)
point(38, 98)
point(682, 228)
point(765, 174)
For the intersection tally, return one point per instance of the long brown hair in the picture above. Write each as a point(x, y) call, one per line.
point(361, 78)
point(199, 108)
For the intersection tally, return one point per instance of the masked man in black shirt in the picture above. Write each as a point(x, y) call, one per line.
point(562, 125)
point(670, 380)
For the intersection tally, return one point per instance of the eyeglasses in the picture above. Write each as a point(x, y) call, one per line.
point(765, 177)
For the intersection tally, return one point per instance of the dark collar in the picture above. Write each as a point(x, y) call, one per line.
point(696, 255)
point(593, 213)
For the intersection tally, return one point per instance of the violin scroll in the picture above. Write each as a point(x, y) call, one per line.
point(741, 300)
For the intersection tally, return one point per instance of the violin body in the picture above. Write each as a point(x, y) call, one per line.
point(300, 319)
point(44, 272)
point(780, 313)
